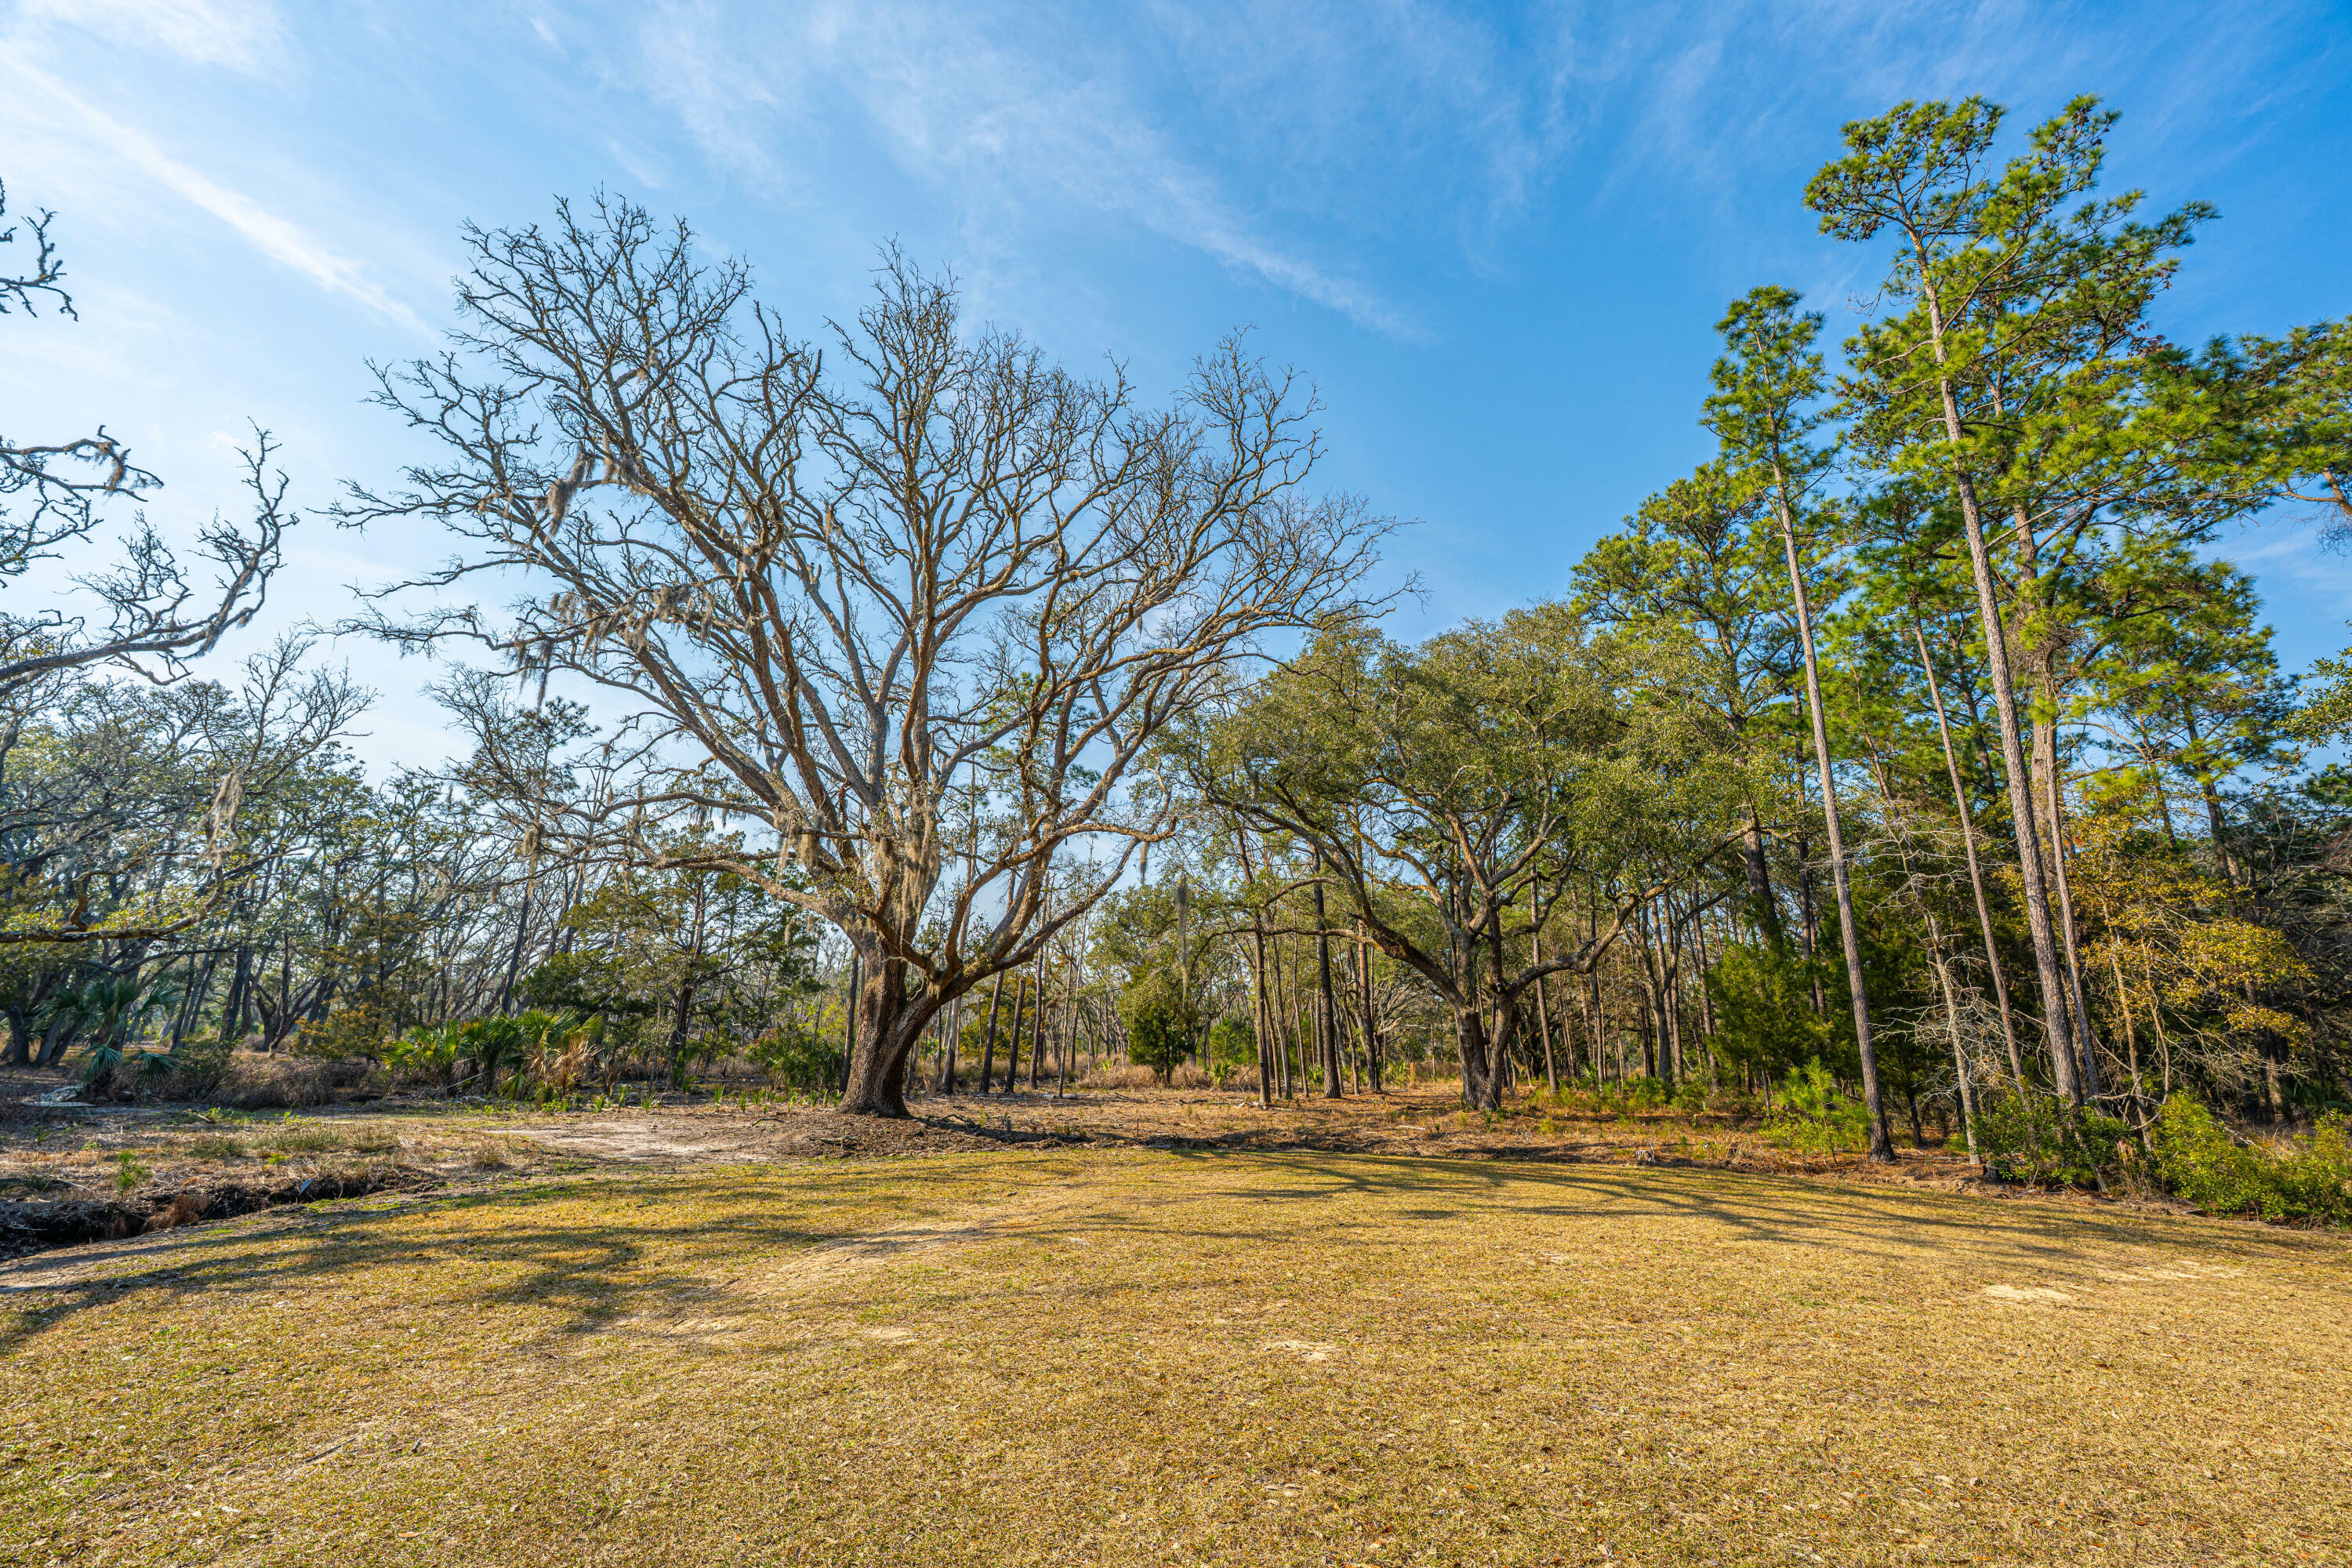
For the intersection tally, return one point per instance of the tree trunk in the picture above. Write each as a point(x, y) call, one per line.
point(1037, 1023)
point(851, 1006)
point(2004, 692)
point(1543, 1015)
point(1762, 908)
point(1882, 1146)
point(889, 1027)
point(59, 1039)
point(988, 1040)
point(1293, 1037)
point(1013, 1039)
point(1976, 870)
point(1961, 1075)
point(2086, 1039)
point(514, 955)
point(1329, 1017)
point(1809, 915)
point(1265, 1046)
point(1479, 1087)
point(946, 1058)
point(676, 1036)
point(2021, 785)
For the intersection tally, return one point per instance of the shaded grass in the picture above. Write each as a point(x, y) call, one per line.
point(1186, 1357)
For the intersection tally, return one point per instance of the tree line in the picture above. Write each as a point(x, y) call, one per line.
point(828, 701)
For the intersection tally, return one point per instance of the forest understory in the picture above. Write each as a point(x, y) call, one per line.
point(1111, 1353)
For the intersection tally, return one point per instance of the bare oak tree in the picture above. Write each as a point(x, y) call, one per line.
point(897, 621)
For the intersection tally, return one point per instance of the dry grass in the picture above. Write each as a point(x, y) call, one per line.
point(1134, 1075)
point(1190, 1357)
point(81, 1159)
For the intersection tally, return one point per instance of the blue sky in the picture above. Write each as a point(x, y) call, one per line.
point(1496, 237)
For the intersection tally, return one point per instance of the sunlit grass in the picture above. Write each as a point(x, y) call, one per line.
point(1140, 1357)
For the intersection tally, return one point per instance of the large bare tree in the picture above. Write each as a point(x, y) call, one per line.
point(898, 619)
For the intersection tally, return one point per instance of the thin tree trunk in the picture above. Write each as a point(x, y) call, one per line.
point(988, 1040)
point(1762, 908)
point(1260, 994)
point(851, 1003)
point(1543, 1015)
point(1037, 1023)
point(1286, 996)
point(514, 955)
point(1013, 1037)
point(1962, 1077)
point(1328, 1018)
point(1882, 1145)
point(2085, 1037)
point(1976, 870)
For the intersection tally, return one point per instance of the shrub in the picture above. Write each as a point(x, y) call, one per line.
point(191, 1071)
point(1814, 1118)
point(2199, 1159)
point(797, 1058)
point(425, 1053)
point(1233, 1048)
point(1160, 1028)
point(2043, 1141)
point(254, 1081)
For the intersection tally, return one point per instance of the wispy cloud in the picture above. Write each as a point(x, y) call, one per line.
point(279, 238)
point(1003, 128)
point(241, 35)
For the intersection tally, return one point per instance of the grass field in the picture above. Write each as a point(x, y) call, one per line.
point(1138, 1356)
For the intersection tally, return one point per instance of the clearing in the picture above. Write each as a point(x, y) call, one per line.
point(685, 1340)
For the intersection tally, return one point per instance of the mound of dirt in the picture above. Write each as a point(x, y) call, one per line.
point(39, 1225)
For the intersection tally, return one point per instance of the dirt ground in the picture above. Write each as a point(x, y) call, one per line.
point(1426, 1122)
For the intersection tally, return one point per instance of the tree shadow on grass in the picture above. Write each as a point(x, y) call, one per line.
point(653, 1246)
point(1890, 1223)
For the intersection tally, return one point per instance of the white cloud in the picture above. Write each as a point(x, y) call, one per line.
point(1001, 126)
point(279, 238)
point(242, 35)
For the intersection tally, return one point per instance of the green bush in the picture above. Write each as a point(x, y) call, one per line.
point(797, 1058)
point(2199, 1159)
point(1161, 1025)
point(1233, 1047)
point(1814, 1118)
point(2045, 1141)
point(426, 1052)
